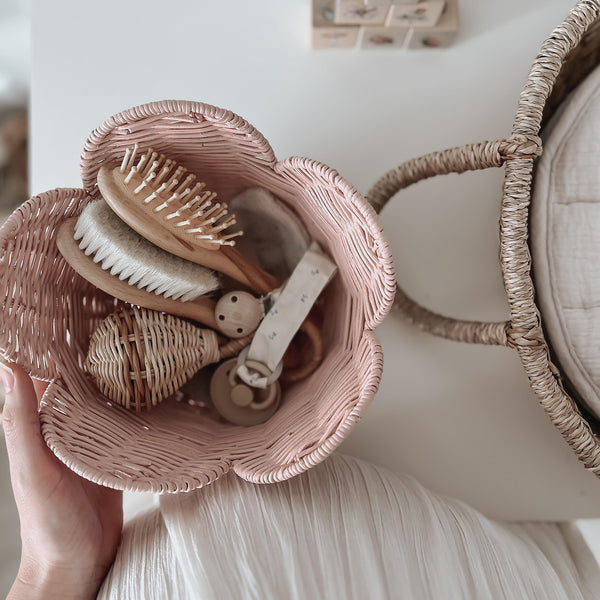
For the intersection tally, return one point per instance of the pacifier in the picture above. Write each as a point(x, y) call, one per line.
point(240, 403)
point(245, 390)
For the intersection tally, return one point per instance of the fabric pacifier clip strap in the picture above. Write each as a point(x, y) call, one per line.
point(290, 309)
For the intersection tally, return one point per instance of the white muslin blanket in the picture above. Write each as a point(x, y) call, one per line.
point(345, 529)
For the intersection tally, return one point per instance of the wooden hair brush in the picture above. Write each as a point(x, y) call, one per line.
point(165, 204)
point(113, 257)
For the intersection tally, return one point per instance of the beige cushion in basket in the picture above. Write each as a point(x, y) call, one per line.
point(565, 239)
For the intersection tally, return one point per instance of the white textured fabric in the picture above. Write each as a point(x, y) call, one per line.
point(565, 239)
point(344, 529)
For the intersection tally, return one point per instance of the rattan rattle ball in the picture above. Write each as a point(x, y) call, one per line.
point(139, 357)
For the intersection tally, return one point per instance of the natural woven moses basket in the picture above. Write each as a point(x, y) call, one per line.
point(50, 312)
point(565, 59)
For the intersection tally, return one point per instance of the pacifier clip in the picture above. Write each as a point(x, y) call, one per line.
point(247, 388)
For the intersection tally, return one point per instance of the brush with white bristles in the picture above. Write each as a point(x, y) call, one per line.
point(166, 205)
point(139, 271)
point(127, 255)
point(113, 257)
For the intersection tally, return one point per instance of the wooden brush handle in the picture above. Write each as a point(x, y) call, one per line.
point(201, 309)
point(153, 227)
point(255, 278)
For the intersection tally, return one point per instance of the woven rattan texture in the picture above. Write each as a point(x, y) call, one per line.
point(138, 356)
point(579, 63)
point(51, 312)
point(48, 310)
point(565, 58)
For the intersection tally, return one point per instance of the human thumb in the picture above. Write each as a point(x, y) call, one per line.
point(20, 419)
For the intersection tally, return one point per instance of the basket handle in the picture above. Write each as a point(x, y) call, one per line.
point(471, 157)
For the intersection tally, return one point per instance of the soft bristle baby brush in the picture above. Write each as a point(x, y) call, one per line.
point(165, 204)
point(180, 217)
point(110, 255)
point(154, 271)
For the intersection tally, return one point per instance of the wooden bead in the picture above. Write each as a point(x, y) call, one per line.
point(238, 314)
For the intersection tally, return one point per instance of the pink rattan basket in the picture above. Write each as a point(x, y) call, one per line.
point(50, 312)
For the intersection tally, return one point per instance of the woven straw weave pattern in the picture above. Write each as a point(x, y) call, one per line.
point(132, 346)
point(565, 58)
point(51, 312)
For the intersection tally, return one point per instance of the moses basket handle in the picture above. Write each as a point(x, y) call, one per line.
point(471, 157)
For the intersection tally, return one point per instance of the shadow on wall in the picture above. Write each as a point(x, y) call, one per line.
point(13, 159)
point(488, 16)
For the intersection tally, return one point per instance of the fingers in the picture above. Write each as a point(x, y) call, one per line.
point(40, 387)
point(20, 413)
point(20, 420)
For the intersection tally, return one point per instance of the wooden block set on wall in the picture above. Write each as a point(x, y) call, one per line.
point(384, 23)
